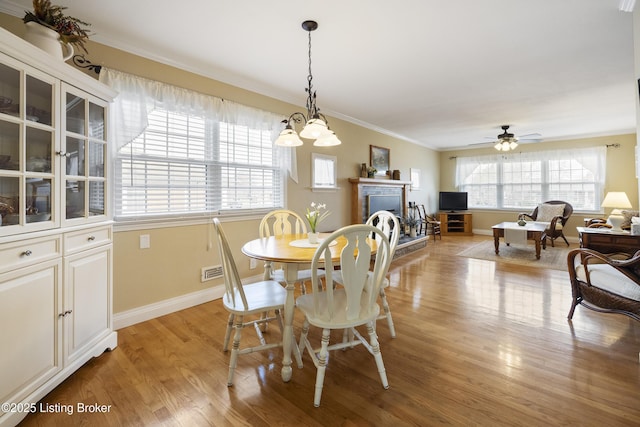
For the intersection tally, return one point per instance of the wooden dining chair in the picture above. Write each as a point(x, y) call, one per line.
point(433, 227)
point(422, 215)
point(240, 300)
point(277, 223)
point(389, 224)
point(349, 306)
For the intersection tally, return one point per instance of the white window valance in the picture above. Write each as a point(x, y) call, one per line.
point(138, 97)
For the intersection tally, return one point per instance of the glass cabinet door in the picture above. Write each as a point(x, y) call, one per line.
point(27, 147)
point(84, 156)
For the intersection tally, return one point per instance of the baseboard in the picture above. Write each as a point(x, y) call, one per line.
point(151, 311)
point(171, 305)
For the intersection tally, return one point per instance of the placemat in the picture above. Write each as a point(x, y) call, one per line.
point(304, 243)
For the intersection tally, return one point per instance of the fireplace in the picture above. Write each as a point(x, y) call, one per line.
point(384, 202)
point(385, 194)
point(370, 195)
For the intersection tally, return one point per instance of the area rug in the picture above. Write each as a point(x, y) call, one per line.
point(552, 257)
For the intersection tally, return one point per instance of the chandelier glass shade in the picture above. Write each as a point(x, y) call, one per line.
point(316, 125)
point(506, 144)
point(288, 138)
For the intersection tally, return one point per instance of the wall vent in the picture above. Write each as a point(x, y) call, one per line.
point(210, 273)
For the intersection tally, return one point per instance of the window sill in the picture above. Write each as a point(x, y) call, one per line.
point(324, 189)
point(132, 224)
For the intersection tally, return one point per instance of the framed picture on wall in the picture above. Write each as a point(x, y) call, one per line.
point(379, 159)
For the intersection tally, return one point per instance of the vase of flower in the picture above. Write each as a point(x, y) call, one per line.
point(412, 222)
point(52, 31)
point(314, 216)
point(48, 40)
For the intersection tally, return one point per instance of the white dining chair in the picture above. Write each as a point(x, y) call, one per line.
point(277, 223)
point(240, 300)
point(348, 306)
point(388, 223)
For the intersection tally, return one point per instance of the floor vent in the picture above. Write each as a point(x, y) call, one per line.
point(210, 273)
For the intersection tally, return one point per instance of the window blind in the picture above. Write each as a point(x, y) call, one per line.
point(185, 164)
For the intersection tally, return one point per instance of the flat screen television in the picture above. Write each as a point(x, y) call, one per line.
point(452, 201)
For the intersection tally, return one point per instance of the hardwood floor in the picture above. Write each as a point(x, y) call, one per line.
point(479, 343)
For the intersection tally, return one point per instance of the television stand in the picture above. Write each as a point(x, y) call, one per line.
point(456, 224)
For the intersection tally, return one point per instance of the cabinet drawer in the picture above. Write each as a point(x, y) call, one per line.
point(86, 239)
point(28, 252)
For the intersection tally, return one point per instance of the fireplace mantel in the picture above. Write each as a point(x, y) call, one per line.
point(362, 187)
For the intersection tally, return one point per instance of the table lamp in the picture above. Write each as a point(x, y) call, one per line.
point(617, 200)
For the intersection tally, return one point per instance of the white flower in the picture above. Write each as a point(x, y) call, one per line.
point(313, 215)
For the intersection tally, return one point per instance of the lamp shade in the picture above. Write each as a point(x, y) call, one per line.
point(616, 199)
point(314, 129)
point(327, 140)
point(506, 144)
point(288, 138)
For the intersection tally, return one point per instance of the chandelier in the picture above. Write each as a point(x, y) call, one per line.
point(316, 125)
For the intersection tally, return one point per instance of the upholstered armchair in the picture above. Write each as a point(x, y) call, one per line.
point(556, 213)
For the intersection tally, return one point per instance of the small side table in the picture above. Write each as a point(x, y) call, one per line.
point(608, 241)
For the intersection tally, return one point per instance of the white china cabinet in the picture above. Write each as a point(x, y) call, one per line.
point(55, 231)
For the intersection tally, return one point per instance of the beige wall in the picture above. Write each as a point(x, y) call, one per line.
point(621, 175)
point(171, 266)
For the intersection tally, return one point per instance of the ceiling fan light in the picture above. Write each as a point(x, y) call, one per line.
point(498, 146)
point(513, 145)
point(288, 138)
point(314, 129)
point(327, 140)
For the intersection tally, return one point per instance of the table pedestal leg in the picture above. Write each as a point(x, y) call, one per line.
point(268, 270)
point(496, 239)
point(538, 240)
point(291, 274)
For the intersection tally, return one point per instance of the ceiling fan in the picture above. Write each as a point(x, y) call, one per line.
point(508, 141)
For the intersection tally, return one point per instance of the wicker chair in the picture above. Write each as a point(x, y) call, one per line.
point(556, 223)
point(608, 283)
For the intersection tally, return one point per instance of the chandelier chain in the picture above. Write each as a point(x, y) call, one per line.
point(311, 98)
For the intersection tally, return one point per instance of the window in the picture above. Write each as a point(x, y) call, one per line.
point(523, 180)
point(184, 153)
point(183, 164)
point(323, 171)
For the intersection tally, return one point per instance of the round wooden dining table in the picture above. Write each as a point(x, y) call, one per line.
point(292, 251)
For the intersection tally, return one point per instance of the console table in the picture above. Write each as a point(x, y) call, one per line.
point(608, 241)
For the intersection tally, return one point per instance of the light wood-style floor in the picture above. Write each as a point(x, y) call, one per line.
point(479, 343)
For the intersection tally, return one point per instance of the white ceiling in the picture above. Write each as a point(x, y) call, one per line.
point(444, 74)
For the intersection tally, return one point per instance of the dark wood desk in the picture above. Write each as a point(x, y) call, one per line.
point(608, 241)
